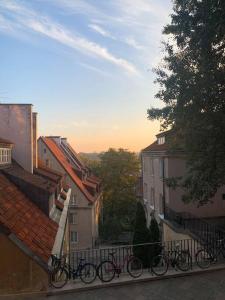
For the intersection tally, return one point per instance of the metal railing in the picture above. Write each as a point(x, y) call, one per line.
point(96, 256)
point(200, 228)
point(155, 259)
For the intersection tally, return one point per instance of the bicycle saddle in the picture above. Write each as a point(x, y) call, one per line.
point(112, 253)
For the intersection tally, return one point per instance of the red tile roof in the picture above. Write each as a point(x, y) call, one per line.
point(62, 159)
point(26, 220)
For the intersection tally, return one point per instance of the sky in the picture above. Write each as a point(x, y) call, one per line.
point(86, 66)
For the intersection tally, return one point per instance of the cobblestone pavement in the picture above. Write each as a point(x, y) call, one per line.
point(206, 286)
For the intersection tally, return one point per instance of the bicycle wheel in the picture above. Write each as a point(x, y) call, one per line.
point(159, 265)
point(106, 271)
point(183, 261)
point(134, 267)
point(203, 259)
point(58, 278)
point(88, 273)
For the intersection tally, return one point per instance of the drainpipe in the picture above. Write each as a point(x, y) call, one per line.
point(163, 178)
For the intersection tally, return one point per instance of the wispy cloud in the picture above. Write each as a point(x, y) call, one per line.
point(97, 70)
point(133, 43)
point(101, 30)
point(43, 25)
point(144, 18)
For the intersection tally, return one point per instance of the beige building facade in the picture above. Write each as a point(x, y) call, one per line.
point(85, 201)
point(158, 164)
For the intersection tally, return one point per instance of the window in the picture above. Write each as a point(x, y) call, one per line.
point(74, 237)
point(161, 140)
point(161, 205)
point(152, 166)
point(145, 162)
point(44, 150)
point(145, 191)
point(47, 163)
point(5, 156)
point(161, 168)
point(73, 200)
point(152, 199)
point(73, 219)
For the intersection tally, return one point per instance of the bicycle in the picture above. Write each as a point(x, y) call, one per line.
point(210, 253)
point(178, 259)
point(107, 269)
point(62, 272)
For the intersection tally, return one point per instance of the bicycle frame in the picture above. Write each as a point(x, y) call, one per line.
point(74, 273)
point(173, 256)
point(120, 266)
point(214, 253)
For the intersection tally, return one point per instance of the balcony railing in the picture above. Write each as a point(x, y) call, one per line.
point(200, 228)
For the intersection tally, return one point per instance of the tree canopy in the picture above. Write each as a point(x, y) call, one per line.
point(141, 236)
point(192, 87)
point(119, 170)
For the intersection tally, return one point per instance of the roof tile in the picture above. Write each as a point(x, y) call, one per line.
point(26, 220)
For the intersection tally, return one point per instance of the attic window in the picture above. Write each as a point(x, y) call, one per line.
point(5, 156)
point(161, 140)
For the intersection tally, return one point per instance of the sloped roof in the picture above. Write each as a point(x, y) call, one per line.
point(39, 181)
point(62, 159)
point(24, 219)
point(156, 147)
point(48, 173)
point(75, 155)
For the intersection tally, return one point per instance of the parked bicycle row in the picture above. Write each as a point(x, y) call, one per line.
point(180, 256)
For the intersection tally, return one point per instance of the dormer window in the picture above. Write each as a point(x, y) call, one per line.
point(161, 140)
point(5, 156)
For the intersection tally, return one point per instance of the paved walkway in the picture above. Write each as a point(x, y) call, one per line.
point(204, 286)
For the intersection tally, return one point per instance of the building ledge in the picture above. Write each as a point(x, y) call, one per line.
point(57, 248)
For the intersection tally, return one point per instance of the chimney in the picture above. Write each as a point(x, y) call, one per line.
point(64, 140)
point(16, 125)
point(35, 145)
